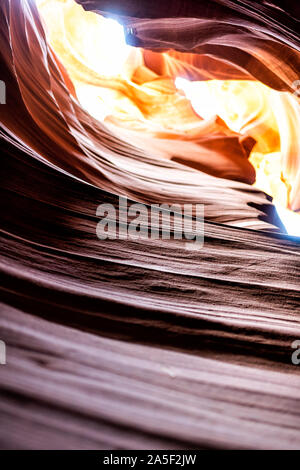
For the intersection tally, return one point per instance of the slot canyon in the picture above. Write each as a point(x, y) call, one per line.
point(139, 342)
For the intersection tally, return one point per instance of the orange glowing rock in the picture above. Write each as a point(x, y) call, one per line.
point(203, 126)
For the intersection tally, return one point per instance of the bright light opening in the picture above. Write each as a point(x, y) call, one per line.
point(290, 219)
point(236, 102)
point(114, 51)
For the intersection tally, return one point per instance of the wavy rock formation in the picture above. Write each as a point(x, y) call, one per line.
point(142, 343)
